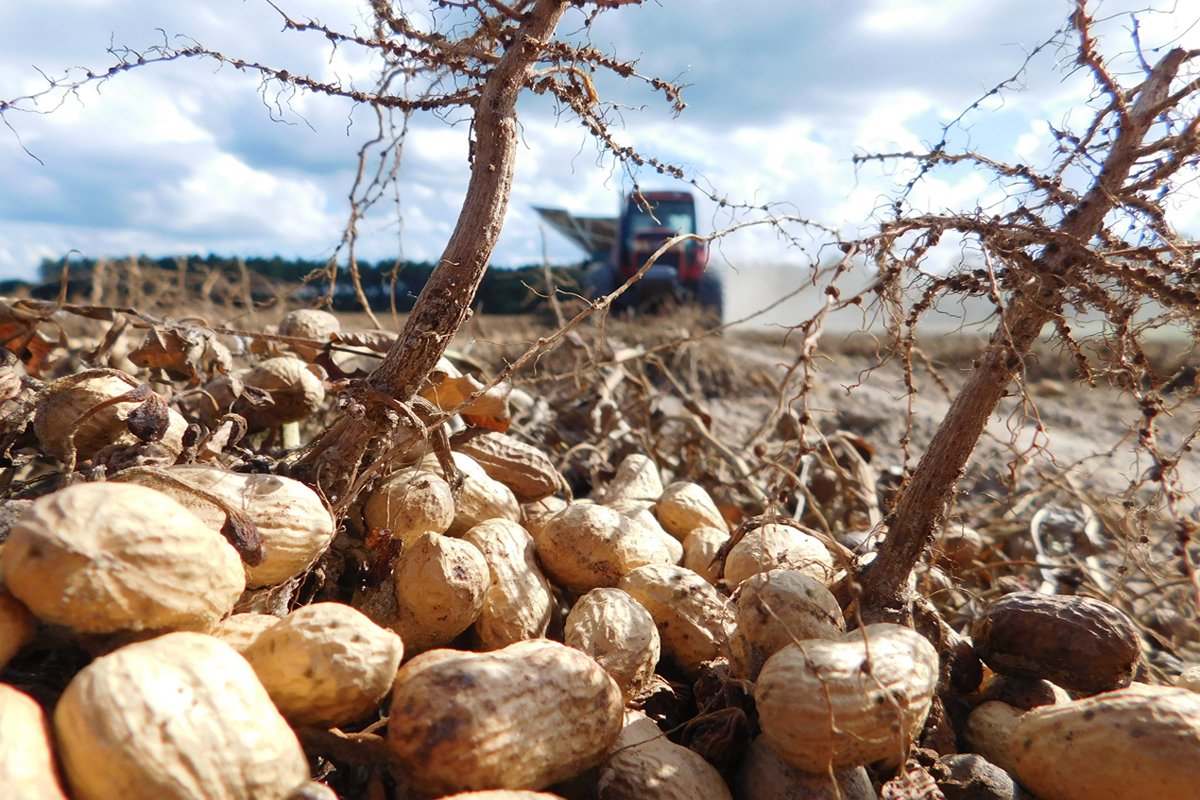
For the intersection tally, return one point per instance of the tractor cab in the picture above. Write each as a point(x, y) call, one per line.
point(619, 248)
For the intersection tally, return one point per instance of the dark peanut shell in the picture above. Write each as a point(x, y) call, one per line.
point(1084, 645)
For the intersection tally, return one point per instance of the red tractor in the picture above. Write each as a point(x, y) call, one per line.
point(618, 247)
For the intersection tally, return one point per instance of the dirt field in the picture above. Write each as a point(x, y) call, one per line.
point(1087, 432)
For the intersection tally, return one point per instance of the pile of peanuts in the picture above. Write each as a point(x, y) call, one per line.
point(518, 642)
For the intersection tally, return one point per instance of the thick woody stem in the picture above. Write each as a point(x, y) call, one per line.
point(445, 302)
point(922, 506)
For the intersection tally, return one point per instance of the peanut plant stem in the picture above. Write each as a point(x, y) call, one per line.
point(445, 302)
point(922, 506)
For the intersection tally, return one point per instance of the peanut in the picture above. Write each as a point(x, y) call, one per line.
point(523, 717)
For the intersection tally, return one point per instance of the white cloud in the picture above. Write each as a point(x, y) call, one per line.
point(223, 194)
point(925, 18)
point(183, 157)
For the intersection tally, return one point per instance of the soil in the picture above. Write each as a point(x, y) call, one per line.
point(1058, 426)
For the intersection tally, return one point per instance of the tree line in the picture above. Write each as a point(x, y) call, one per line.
point(504, 290)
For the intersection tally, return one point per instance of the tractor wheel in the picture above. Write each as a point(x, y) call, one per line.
point(712, 296)
point(598, 281)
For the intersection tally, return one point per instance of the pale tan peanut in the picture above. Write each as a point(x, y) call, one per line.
point(644, 763)
point(617, 631)
point(309, 323)
point(534, 516)
point(70, 413)
point(637, 479)
point(521, 467)
point(1130, 744)
point(774, 609)
point(293, 523)
point(109, 557)
point(989, 731)
point(440, 584)
point(325, 664)
point(701, 549)
point(1189, 678)
point(502, 794)
point(27, 769)
point(586, 546)
point(17, 625)
point(848, 702)
point(524, 717)
point(645, 517)
point(764, 776)
point(774, 546)
point(410, 503)
point(685, 506)
point(296, 392)
point(480, 498)
point(239, 630)
point(519, 601)
point(180, 716)
point(450, 390)
point(693, 619)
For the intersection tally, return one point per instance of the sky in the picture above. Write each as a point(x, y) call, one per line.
point(187, 157)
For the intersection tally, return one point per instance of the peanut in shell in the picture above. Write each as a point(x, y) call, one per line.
point(27, 770)
point(523, 468)
point(764, 776)
point(848, 702)
point(777, 546)
point(17, 625)
point(523, 717)
point(178, 717)
point(480, 497)
point(519, 602)
point(617, 631)
point(288, 516)
point(115, 557)
point(440, 585)
point(1081, 644)
point(685, 506)
point(701, 551)
point(637, 480)
point(325, 664)
point(587, 546)
point(1130, 744)
point(774, 609)
point(410, 503)
point(644, 763)
point(694, 621)
point(295, 391)
point(80, 411)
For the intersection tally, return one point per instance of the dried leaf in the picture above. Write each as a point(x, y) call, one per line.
point(150, 420)
point(720, 736)
point(30, 346)
point(10, 376)
point(376, 341)
point(183, 350)
point(448, 392)
point(489, 410)
point(243, 534)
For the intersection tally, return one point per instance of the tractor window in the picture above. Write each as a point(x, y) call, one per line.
point(679, 217)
